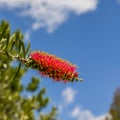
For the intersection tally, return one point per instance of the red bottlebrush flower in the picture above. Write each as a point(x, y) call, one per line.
point(53, 67)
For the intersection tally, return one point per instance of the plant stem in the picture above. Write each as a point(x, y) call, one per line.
point(79, 79)
point(12, 56)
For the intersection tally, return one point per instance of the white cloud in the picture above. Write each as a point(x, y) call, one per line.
point(68, 95)
point(80, 114)
point(118, 1)
point(49, 13)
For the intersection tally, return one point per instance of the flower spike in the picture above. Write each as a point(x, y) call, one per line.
point(53, 67)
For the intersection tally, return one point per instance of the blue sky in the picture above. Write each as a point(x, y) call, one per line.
point(85, 32)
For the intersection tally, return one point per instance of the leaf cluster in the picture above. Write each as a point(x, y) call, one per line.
point(14, 43)
point(14, 105)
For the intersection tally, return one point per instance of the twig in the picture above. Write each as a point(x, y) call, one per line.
point(79, 79)
point(12, 56)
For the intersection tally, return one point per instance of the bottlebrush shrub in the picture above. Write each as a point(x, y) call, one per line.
point(53, 67)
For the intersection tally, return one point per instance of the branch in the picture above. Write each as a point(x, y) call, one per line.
point(12, 56)
point(79, 79)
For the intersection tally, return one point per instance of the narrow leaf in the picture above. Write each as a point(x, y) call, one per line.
point(27, 48)
point(8, 38)
point(12, 46)
point(23, 48)
point(18, 70)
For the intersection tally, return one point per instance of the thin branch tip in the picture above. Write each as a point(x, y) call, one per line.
point(79, 79)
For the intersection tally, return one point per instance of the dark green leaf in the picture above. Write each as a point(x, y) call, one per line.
point(19, 47)
point(23, 48)
point(12, 46)
point(33, 85)
point(8, 38)
point(18, 70)
point(3, 45)
point(27, 49)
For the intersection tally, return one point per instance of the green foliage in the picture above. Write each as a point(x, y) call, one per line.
point(13, 104)
point(33, 85)
point(115, 106)
point(50, 116)
point(12, 43)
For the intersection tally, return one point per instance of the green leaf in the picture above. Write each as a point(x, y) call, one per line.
point(33, 85)
point(4, 29)
point(18, 70)
point(3, 41)
point(13, 43)
point(23, 48)
point(2, 45)
point(19, 47)
point(27, 49)
point(8, 38)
